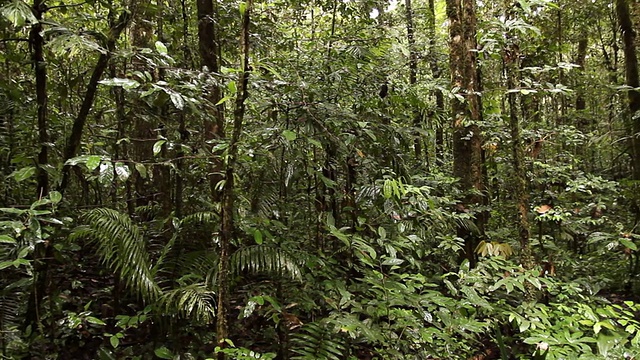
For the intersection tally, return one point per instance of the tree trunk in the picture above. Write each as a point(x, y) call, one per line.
point(467, 138)
point(631, 74)
point(209, 48)
point(228, 196)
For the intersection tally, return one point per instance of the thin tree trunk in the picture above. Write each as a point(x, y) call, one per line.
point(228, 196)
point(580, 61)
point(209, 48)
point(436, 72)
point(632, 80)
point(42, 250)
point(520, 192)
point(73, 142)
point(467, 138)
point(413, 77)
point(40, 66)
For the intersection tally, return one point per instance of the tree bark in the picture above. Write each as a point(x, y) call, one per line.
point(467, 137)
point(228, 196)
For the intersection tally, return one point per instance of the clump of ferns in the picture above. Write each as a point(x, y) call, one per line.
point(182, 285)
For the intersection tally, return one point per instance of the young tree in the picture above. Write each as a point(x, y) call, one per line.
point(466, 112)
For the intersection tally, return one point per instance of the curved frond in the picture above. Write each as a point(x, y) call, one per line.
point(199, 218)
point(192, 302)
point(201, 264)
point(266, 259)
point(468, 224)
point(121, 246)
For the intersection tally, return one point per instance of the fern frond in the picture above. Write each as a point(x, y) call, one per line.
point(266, 259)
point(121, 246)
point(314, 341)
point(9, 310)
point(193, 302)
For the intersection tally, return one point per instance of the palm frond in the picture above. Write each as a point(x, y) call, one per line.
point(121, 246)
point(202, 264)
point(200, 218)
point(266, 259)
point(467, 224)
point(193, 302)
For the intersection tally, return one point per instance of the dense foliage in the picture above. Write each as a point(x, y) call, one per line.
point(319, 179)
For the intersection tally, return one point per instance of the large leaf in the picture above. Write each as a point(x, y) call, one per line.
point(18, 13)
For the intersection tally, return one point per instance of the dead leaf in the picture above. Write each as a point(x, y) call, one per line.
point(543, 209)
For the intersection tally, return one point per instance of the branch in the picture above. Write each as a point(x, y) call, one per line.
point(65, 6)
point(13, 39)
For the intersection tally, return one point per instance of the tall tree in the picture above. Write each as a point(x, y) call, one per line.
point(436, 72)
point(632, 80)
point(467, 137)
point(511, 57)
point(413, 76)
point(228, 195)
point(37, 42)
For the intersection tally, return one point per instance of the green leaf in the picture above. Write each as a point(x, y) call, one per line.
point(23, 174)
point(257, 236)
point(95, 321)
point(76, 160)
point(223, 100)
point(392, 261)
point(597, 327)
point(55, 197)
point(126, 84)
point(12, 211)
point(142, 170)
point(6, 239)
point(24, 252)
point(231, 86)
point(177, 100)
point(157, 147)
point(122, 171)
point(5, 264)
point(93, 162)
point(38, 203)
point(535, 282)
point(18, 13)
point(289, 135)
point(161, 48)
point(628, 243)
point(163, 353)
point(114, 341)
